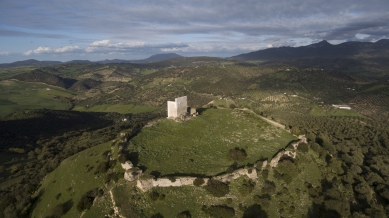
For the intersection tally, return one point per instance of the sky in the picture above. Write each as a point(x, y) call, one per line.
point(64, 30)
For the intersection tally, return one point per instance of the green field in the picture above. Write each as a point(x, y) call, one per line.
point(69, 181)
point(10, 72)
point(119, 108)
point(201, 145)
point(319, 111)
point(16, 95)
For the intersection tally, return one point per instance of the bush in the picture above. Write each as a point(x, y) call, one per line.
point(237, 154)
point(219, 211)
point(269, 187)
point(263, 200)
point(303, 147)
point(265, 173)
point(172, 178)
point(102, 167)
point(184, 214)
point(111, 176)
point(156, 196)
point(217, 188)
point(86, 200)
point(58, 210)
point(232, 106)
point(122, 158)
point(247, 187)
point(198, 182)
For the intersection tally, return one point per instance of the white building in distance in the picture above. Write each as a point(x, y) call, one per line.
point(177, 107)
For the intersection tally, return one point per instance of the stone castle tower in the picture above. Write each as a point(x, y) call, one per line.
point(177, 107)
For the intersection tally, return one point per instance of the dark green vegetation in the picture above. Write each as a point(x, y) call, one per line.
point(341, 172)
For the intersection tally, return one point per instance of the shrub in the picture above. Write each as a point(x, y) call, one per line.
point(100, 193)
point(184, 214)
point(237, 154)
point(263, 200)
point(111, 176)
point(122, 158)
point(154, 195)
point(217, 188)
point(269, 187)
point(265, 173)
point(172, 178)
point(303, 147)
point(86, 200)
point(198, 181)
point(232, 106)
point(58, 210)
point(247, 187)
point(219, 211)
point(102, 167)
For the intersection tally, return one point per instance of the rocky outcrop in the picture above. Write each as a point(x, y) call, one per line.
point(127, 165)
point(132, 174)
point(146, 184)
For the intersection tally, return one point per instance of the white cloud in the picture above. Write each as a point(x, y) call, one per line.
point(4, 53)
point(108, 46)
point(48, 50)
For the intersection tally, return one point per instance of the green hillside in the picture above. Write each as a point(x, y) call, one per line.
point(201, 145)
point(207, 140)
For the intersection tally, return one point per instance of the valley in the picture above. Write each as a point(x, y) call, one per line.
point(67, 128)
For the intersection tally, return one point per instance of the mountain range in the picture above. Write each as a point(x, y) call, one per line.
point(36, 63)
point(377, 52)
point(323, 49)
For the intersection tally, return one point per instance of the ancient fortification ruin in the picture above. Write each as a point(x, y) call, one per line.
point(177, 107)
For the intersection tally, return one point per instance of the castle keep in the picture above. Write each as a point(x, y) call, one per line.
point(177, 107)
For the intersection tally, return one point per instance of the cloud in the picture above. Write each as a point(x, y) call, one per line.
point(48, 50)
point(4, 53)
point(218, 27)
point(107, 46)
point(18, 33)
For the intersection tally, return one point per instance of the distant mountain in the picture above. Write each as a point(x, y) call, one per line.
point(114, 61)
point(30, 63)
point(160, 57)
point(78, 62)
point(323, 49)
point(153, 58)
point(47, 78)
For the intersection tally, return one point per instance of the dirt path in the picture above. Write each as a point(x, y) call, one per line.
point(115, 208)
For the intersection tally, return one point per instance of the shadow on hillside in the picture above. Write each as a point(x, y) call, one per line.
point(67, 206)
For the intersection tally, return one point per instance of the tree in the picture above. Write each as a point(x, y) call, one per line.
point(217, 188)
point(237, 154)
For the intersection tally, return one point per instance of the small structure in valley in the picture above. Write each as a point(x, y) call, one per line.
point(341, 106)
point(177, 107)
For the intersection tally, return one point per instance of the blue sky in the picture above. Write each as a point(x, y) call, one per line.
point(127, 29)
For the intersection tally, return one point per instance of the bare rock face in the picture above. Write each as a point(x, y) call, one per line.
point(132, 174)
point(264, 164)
point(127, 165)
point(276, 159)
point(145, 184)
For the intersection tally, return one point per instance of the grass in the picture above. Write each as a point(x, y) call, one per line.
point(72, 180)
point(16, 95)
point(148, 71)
point(10, 72)
point(201, 145)
point(119, 108)
point(319, 111)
